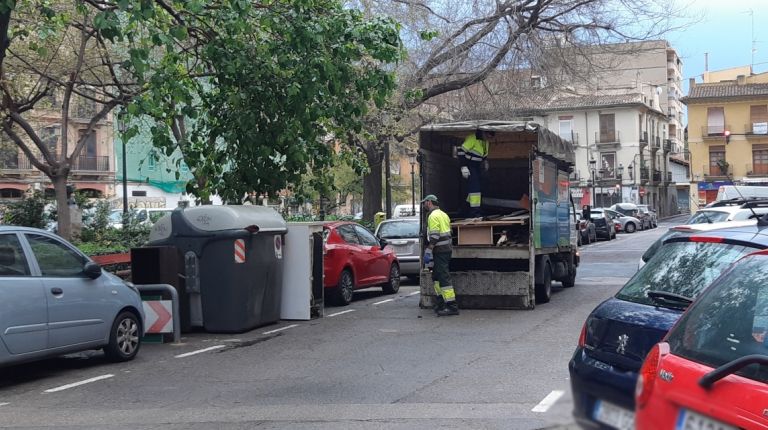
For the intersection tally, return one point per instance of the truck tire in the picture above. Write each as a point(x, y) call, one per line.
point(543, 290)
point(571, 281)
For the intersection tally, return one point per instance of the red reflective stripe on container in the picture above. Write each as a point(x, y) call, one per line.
point(707, 239)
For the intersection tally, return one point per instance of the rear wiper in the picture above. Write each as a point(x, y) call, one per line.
point(657, 295)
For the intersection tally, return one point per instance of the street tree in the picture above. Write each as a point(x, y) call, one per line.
point(275, 87)
point(455, 45)
point(65, 61)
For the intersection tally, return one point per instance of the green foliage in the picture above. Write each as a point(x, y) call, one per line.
point(278, 81)
point(29, 212)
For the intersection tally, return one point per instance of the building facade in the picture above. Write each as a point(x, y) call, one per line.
point(92, 172)
point(727, 132)
point(621, 151)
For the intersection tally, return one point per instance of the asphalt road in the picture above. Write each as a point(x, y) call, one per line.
point(379, 363)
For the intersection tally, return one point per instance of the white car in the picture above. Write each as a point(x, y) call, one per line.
point(629, 224)
point(718, 214)
point(144, 216)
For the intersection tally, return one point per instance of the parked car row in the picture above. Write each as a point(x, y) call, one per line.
point(648, 357)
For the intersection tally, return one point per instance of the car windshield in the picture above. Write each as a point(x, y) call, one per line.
point(116, 216)
point(680, 268)
point(399, 229)
point(729, 321)
point(702, 217)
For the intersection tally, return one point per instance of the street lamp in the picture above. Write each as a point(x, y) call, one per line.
point(592, 163)
point(412, 161)
point(619, 188)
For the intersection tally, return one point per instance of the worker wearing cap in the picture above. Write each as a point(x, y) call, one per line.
point(472, 156)
point(439, 250)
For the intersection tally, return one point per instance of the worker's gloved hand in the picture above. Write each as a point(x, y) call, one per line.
point(465, 172)
point(427, 257)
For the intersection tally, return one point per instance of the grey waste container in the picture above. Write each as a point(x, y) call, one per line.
point(233, 257)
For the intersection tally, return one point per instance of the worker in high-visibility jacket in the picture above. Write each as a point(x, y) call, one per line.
point(472, 156)
point(439, 250)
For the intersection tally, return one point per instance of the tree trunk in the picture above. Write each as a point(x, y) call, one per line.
point(372, 182)
point(62, 207)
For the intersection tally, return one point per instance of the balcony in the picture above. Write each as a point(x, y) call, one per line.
point(657, 176)
point(756, 129)
point(644, 174)
point(655, 143)
point(667, 146)
point(669, 177)
point(757, 170)
point(14, 163)
point(715, 171)
point(643, 139)
point(608, 139)
point(714, 131)
point(86, 163)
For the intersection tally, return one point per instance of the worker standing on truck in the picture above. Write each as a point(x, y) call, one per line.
point(439, 249)
point(472, 156)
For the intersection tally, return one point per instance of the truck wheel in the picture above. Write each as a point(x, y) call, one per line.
point(630, 228)
point(571, 281)
point(544, 289)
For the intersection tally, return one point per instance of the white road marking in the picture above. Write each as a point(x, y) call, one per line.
point(342, 312)
point(77, 384)
point(414, 293)
point(281, 329)
point(548, 401)
point(384, 301)
point(4, 404)
point(199, 351)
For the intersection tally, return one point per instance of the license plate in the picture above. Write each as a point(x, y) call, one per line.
point(689, 420)
point(614, 416)
point(402, 249)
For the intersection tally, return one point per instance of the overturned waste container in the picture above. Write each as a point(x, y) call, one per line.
point(233, 257)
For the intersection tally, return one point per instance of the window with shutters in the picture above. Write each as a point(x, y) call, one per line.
point(716, 155)
point(715, 121)
point(760, 160)
point(758, 119)
point(607, 127)
point(566, 128)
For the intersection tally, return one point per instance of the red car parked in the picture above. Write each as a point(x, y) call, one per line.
point(711, 371)
point(355, 259)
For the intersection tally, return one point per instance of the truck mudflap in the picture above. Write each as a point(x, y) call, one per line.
point(484, 290)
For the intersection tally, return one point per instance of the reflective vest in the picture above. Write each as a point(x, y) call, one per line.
point(473, 149)
point(439, 231)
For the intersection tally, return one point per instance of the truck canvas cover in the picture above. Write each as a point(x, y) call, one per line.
point(547, 142)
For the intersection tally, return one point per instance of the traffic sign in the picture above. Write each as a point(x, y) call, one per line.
point(158, 316)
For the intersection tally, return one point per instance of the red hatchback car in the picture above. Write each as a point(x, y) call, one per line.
point(711, 371)
point(355, 259)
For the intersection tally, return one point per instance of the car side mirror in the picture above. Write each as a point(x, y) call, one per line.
point(383, 243)
point(92, 270)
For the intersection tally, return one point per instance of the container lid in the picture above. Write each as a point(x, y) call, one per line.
point(212, 218)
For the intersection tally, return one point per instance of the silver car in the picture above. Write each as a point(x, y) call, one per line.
point(54, 300)
point(403, 235)
point(629, 224)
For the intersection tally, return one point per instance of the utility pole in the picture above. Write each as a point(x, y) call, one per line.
point(387, 183)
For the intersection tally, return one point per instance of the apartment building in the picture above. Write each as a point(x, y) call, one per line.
point(727, 131)
point(621, 147)
point(626, 124)
point(93, 171)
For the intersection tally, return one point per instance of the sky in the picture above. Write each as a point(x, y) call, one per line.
point(725, 31)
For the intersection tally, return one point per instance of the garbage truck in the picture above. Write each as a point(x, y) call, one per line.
point(525, 236)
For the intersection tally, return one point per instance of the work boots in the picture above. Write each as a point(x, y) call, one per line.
point(449, 309)
point(439, 303)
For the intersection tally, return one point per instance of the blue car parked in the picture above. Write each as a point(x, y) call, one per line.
point(620, 332)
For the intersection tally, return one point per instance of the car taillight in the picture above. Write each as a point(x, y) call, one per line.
point(647, 377)
point(706, 239)
point(583, 336)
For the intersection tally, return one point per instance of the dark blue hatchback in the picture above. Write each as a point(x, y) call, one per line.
point(621, 331)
